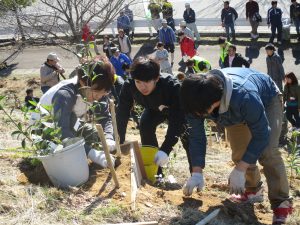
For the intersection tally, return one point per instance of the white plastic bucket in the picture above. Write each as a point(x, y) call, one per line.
point(68, 167)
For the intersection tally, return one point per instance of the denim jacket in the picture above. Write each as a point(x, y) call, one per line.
point(246, 94)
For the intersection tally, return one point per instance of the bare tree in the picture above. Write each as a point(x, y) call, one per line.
point(64, 19)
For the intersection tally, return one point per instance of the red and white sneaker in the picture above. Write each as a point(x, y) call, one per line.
point(248, 196)
point(281, 213)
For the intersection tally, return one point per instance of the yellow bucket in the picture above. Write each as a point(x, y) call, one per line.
point(148, 154)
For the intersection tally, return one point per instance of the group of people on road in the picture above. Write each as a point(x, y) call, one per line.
point(248, 103)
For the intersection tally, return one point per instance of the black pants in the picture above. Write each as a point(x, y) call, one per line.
point(292, 115)
point(149, 121)
point(279, 32)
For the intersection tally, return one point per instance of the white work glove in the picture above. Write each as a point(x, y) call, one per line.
point(161, 158)
point(237, 182)
point(196, 180)
point(111, 144)
point(98, 157)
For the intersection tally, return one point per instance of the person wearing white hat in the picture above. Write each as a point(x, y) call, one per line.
point(50, 71)
point(167, 37)
point(190, 19)
point(187, 31)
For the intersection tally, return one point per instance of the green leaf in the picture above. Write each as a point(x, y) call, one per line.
point(23, 143)
point(2, 97)
point(16, 132)
point(1, 107)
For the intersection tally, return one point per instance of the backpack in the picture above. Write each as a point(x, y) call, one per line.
point(257, 17)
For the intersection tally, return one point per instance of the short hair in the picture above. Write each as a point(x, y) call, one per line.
point(180, 33)
point(221, 40)
point(159, 44)
point(293, 0)
point(180, 76)
point(270, 46)
point(202, 66)
point(121, 30)
point(199, 92)
point(273, 2)
point(102, 76)
point(106, 37)
point(293, 77)
point(233, 47)
point(29, 91)
point(226, 2)
point(145, 69)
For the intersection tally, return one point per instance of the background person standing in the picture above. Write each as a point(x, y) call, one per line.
point(275, 20)
point(228, 17)
point(252, 9)
point(295, 16)
point(189, 17)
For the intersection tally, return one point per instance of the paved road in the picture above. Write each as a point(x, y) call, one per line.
point(30, 60)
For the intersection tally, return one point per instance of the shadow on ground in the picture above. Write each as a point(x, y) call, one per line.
point(8, 70)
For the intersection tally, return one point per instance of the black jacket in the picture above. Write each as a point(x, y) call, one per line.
point(166, 93)
point(229, 15)
point(189, 17)
point(238, 61)
point(295, 11)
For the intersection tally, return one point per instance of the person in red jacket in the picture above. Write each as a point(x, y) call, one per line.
point(87, 35)
point(187, 45)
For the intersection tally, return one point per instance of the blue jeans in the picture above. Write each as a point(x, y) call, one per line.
point(231, 27)
point(45, 89)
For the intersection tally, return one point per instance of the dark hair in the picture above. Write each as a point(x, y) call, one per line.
point(270, 46)
point(293, 77)
point(190, 62)
point(199, 92)
point(29, 91)
point(159, 44)
point(226, 2)
point(274, 2)
point(293, 0)
point(106, 37)
point(102, 76)
point(202, 65)
point(180, 33)
point(233, 47)
point(221, 40)
point(145, 69)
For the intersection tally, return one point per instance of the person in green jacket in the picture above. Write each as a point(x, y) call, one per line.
point(224, 45)
point(291, 98)
point(198, 64)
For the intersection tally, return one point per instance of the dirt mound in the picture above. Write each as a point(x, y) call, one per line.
point(33, 83)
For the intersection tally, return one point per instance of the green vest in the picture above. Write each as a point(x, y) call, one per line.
point(224, 51)
point(197, 60)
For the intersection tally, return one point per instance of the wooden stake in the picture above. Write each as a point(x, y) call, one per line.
point(114, 123)
point(107, 155)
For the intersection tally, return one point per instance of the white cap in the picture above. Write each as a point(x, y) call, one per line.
point(182, 23)
point(164, 21)
point(53, 56)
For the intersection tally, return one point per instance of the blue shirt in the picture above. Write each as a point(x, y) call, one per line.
point(167, 35)
point(118, 62)
point(252, 92)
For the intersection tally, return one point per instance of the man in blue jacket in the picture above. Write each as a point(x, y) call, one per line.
point(249, 105)
point(167, 37)
point(274, 19)
point(228, 17)
point(118, 60)
point(123, 22)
